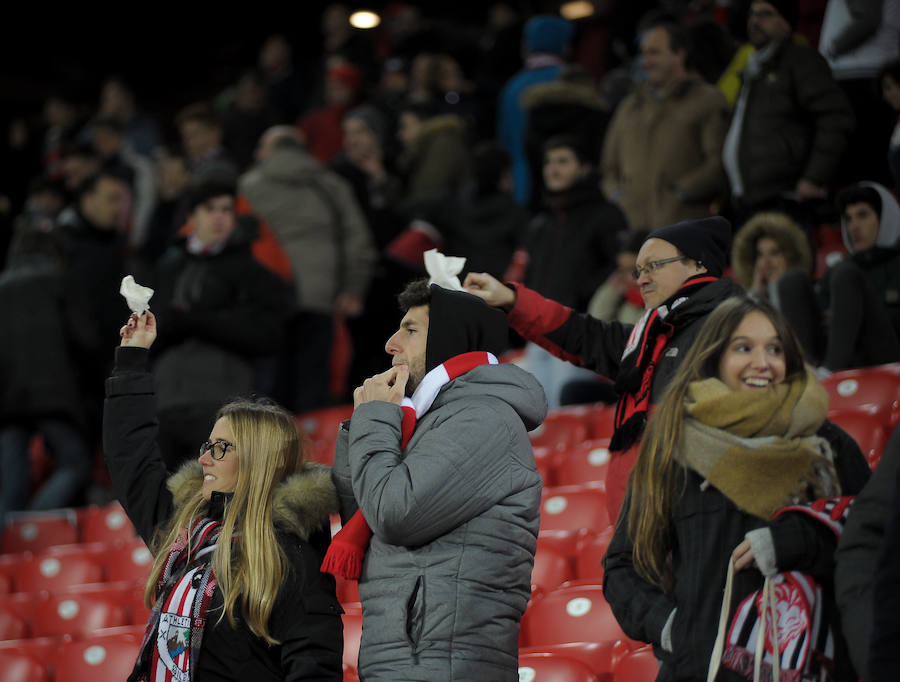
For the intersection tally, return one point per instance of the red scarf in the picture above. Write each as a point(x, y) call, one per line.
point(348, 547)
point(645, 347)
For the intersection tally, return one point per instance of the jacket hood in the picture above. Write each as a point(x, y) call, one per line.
point(562, 92)
point(510, 383)
point(779, 227)
point(302, 502)
point(889, 224)
point(288, 164)
point(460, 322)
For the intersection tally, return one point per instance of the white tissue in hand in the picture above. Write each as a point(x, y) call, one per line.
point(444, 270)
point(137, 297)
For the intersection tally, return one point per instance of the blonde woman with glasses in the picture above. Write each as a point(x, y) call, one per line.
point(237, 536)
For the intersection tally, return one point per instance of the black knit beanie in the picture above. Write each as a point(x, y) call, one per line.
point(705, 240)
point(459, 323)
point(787, 9)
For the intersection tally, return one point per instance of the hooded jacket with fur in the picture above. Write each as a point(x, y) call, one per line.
point(306, 617)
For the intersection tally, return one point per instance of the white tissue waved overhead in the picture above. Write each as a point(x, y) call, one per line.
point(137, 297)
point(444, 270)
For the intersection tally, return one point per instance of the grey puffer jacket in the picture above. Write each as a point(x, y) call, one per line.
point(455, 519)
point(318, 223)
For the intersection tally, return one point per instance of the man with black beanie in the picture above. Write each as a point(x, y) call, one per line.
point(679, 273)
point(440, 495)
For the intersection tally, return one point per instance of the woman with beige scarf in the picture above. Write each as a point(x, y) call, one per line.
point(735, 453)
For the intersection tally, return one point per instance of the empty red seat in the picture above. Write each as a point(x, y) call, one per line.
point(15, 667)
point(79, 612)
point(872, 389)
point(636, 666)
point(559, 430)
point(572, 508)
point(599, 418)
point(586, 462)
point(15, 614)
point(320, 429)
point(105, 524)
point(589, 553)
point(352, 632)
point(101, 657)
point(35, 531)
point(552, 567)
point(571, 613)
point(59, 568)
point(866, 429)
point(547, 667)
point(128, 562)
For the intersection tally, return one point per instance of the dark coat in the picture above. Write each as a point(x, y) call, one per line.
point(796, 124)
point(306, 617)
point(43, 342)
point(216, 314)
point(856, 557)
point(706, 527)
point(572, 244)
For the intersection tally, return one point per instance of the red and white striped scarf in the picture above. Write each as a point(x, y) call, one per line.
point(348, 548)
point(175, 629)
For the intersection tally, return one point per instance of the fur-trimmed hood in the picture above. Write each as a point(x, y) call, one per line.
point(779, 227)
point(302, 502)
point(562, 92)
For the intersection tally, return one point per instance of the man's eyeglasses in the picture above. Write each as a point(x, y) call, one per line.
point(216, 448)
point(655, 265)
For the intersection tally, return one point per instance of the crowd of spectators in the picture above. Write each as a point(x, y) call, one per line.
point(292, 206)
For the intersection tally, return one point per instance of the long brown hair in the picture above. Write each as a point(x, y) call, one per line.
point(652, 482)
point(249, 572)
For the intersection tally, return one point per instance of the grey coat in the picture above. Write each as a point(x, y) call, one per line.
point(316, 219)
point(455, 519)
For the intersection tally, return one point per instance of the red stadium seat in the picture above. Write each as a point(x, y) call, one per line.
point(599, 418)
point(320, 428)
point(16, 667)
point(559, 430)
point(583, 463)
point(552, 567)
point(873, 389)
point(105, 524)
point(545, 667)
point(636, 666)
point(78, 612)
point(353, 625)
point(15, 614)
point(36, 648)
point(589, 554)
point(59, 568)
point(35, 531)
point(101, 657)
point(347, 590)
point(866, 429)
point(572, 613)
point(597, 656)
point(572, 508)
point(128, 562)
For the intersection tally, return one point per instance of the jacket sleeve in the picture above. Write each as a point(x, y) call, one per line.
point(641, 608)
point(308, 621)
point(857, 554)
point(831, 118)
point(708, 179)
point(457, 470)
point(340, 474)
point(611, 171)
point(574, 337)
point(865, 16)
point(129, 443)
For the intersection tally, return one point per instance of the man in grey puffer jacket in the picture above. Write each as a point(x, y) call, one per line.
point(455, 514)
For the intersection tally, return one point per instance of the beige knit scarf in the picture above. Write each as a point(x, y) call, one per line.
point(759, 448)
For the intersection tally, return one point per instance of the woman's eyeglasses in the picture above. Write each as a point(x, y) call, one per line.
point(216, 448)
